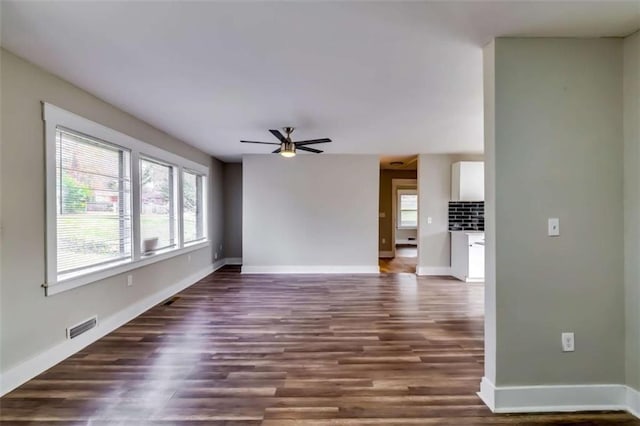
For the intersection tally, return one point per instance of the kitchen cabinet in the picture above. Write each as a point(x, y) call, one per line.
point(467, 181)
point(467, 256)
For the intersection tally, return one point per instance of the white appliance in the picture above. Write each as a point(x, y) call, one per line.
point(467, 181)
point(467, 256)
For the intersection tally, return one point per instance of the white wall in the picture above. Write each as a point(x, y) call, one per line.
point(310, 211)
point(31, 323)
point(434, 193)
point(632, 206)
point(403, 235)
point(557, 152)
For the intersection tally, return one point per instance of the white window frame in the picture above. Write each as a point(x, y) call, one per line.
point(203, 207)
point(399, 195)
point(174, 214)
point(55, 117)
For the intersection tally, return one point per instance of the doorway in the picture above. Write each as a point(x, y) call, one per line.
point(398, 217)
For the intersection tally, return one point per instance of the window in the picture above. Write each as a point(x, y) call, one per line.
point(114, 203)
point(157, 206)
point(407, 208)
point(192, 207)
point(93, 202)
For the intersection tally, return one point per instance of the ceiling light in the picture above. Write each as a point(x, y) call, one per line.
point(288, 149)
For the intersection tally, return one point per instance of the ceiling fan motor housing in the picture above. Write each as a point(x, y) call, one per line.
point(288, 147)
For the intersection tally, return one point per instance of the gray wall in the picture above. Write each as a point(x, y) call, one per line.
point(434, 194)
point(233, 210)
point(557, 153)
point(216, 211)
point(631, 86)
point(312, 210)
point(488, 76)
point(30, 322)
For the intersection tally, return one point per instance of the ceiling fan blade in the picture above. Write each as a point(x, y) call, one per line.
point(278, 135)
point(263, 143)
point(277, 151)
point(304, 148)
point(313, 141)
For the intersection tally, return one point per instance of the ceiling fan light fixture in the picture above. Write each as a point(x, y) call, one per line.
point(288, 149)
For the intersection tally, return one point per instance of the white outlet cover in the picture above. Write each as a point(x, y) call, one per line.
point(129, 280)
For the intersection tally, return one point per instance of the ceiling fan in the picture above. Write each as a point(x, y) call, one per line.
point(287, 147)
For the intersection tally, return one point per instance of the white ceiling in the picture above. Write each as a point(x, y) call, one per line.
point(389, 78)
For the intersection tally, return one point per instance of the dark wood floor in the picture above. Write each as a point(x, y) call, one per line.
point(285, 350)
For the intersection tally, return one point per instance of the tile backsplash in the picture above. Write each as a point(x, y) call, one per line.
point(466, 215)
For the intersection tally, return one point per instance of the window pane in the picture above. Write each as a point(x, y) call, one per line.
point(408, 202)
point(192, 207)
point(157, 214)
point(409, 218)
point(93, 202)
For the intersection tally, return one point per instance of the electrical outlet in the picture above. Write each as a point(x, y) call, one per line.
point(568, 342)
point(216, 256)
point(429, 220)
point(189, 259)
point(129, 280)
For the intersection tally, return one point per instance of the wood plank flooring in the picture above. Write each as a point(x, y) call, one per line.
point(285, 350)
point(398, 265)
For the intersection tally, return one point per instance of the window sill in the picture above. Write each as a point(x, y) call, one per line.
point(71, 282)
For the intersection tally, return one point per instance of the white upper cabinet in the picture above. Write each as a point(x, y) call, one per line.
point(467, 181)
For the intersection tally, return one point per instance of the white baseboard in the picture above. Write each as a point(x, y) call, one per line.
point(633, 401)
point(487, 393)
point(311, 269)
point(557, 398)
point(385, 254)
point(433, 270)
point(407, 242)
point(233, 261)
point(27, 370)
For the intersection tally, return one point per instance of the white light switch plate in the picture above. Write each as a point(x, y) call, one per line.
point(554, 227)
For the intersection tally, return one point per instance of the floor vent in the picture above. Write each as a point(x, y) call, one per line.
point(83, 327)
point(169, 302)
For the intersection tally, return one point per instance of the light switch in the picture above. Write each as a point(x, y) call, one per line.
point(429, 220)
point(554, 227)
